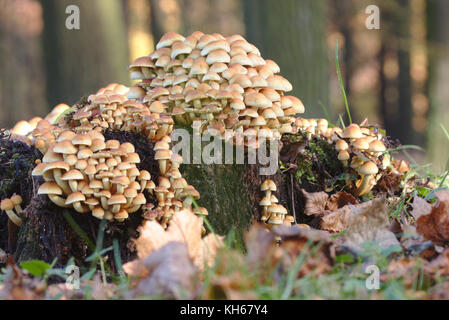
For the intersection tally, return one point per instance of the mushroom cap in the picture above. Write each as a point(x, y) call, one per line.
point(17, 199)
point(65, 147)
point(162, 155)
point(49, 187)
point(139, 199)
point(57, 165)
point(82, 139)
point(266, 201)
point(352, 132)
point(75, 197)
point(73, 174)
point(360, 143)
point(116, 199)
point(377, 146)
point(6, 204)
point(130, 192)
point(343, 155)
point(268, 185)
point(341, 145)
point(368, 168)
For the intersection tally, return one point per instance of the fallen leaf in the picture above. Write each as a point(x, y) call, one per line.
point(439, 267)
point(184, 227)
point(315, 202)
point(171, 274)
point(435, 225)
point(420, 207)
point(370, 223)
point(20, 286)
point(315, 245)
point(339, 200)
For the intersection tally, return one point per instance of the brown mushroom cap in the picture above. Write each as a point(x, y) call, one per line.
point(6, 204)
point(368, 168)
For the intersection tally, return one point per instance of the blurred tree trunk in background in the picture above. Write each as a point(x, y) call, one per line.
point(22, 89)
point(395, 71)
point(138, 21)
point(438, 31)
point(165, 16)
point(79, 62)
point(293, 33)
point(209, 16)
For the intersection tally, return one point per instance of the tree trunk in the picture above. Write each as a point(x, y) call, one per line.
point(293, 34)
point(22, 95)
point(438, 145)
point(79, 62)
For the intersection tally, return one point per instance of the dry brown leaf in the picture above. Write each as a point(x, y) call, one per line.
point(316, 244)
point(185, 227)
point(439, 267)
point(339, 200)
point(337, 221)
point(439, 291)
point(259, 241)
point(19, 286)
point(370, 223)
point(435, 225)
point(315, 202)
point(171, 273)
point(231, 287)
point(420, 207)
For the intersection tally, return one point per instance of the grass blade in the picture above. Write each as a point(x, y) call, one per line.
point(342, 86)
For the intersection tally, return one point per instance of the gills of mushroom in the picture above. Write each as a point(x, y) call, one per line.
point(7, 205)
point(368, 170)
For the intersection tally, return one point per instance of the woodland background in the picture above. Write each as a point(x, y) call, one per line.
point(397, 77)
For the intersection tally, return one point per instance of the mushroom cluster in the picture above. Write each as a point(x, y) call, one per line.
point(83, 171)
point(25, 128)
point(273, 213)
point(173, 193)
point(221, 82)
point(109, 108)
point(359, 148)
point(13, 208)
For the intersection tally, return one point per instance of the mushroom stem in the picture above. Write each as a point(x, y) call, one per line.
point(73, 185)
point(59, 201)
point(106, 184)
point(64, 186)
point(79, 207)
point(133, 209)
point(115, 208)
point(14, 218)
point(365, 185)
point(162, 166)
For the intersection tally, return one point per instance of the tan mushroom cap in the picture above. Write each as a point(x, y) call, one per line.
point(352, 132)
point(377, 146)
point(116, 199)
point(368, 168)
point(6, 204)
point(268, 185)
point(49, 187)
point(75, 197)
point(72, 174)
point(65, 147)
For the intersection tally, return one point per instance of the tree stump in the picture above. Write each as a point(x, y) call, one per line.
point(230, 193)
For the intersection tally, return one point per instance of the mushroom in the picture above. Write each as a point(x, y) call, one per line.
point(17, 199)
point(367, 171)
point(75, 200)
point(54, 192)
point(268, 186)
point(7, 205)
